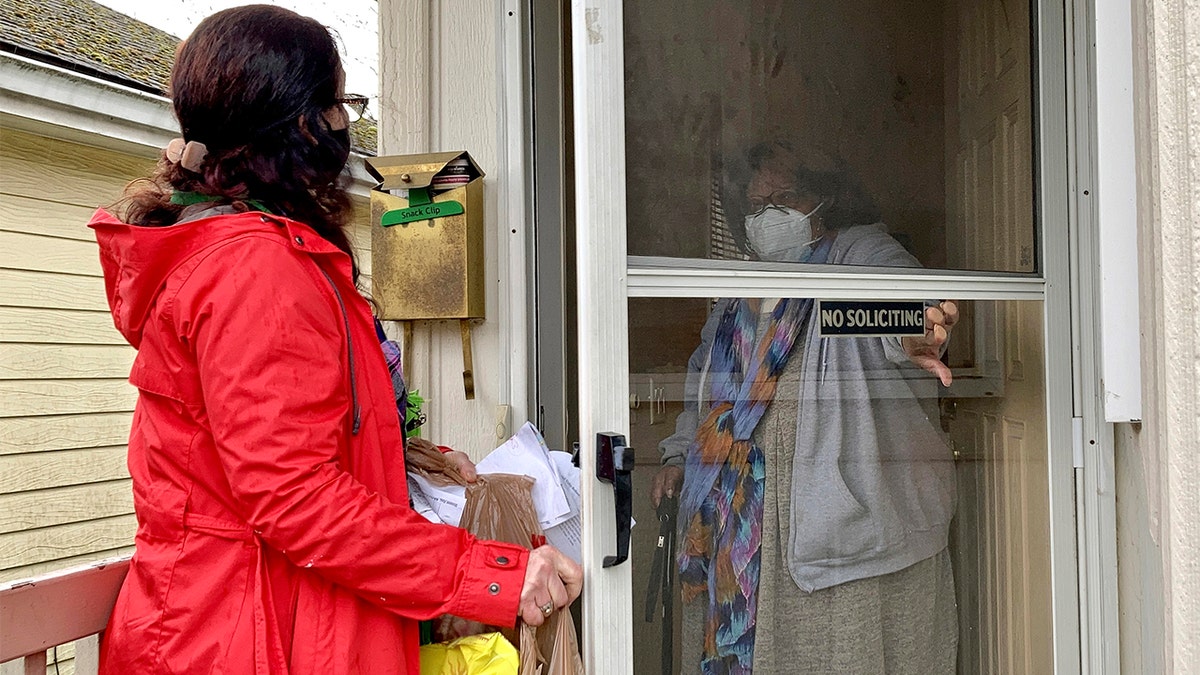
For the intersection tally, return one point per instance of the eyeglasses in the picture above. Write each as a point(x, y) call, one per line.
point(776, 199)
point(355, 106)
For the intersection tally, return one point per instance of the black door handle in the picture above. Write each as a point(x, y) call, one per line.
point(614, 464)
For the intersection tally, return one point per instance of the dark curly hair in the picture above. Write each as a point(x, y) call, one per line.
point(251, 84)
point(815, 174)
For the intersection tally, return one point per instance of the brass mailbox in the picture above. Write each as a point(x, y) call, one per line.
point(427, 236)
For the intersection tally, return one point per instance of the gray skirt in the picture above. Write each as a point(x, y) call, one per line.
point(899, 623)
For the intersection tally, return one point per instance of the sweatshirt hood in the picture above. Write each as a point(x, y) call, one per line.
point(138, 260)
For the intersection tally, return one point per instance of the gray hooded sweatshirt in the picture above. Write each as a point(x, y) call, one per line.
point(873, 481)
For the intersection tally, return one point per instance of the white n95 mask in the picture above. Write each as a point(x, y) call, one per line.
point(781, 234)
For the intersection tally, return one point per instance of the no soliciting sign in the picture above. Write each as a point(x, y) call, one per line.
point(870, 318)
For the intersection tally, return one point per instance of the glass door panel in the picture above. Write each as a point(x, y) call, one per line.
point(913, 117)
point(873, 520)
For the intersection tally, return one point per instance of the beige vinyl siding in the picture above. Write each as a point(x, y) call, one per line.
point(65, 404)
point(359, 233)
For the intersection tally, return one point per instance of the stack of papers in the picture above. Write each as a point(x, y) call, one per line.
point(555, 489)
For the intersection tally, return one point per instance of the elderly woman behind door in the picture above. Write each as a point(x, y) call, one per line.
point(817, 490)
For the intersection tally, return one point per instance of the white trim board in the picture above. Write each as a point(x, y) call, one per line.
point(512, 149)
point(50, 101)
point(1116, 212)
point(54, 101)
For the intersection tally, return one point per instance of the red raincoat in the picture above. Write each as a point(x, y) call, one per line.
point(274, 531)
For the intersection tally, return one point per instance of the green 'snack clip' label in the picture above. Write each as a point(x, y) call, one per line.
point(420, 207)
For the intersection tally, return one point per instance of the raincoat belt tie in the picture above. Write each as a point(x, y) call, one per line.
point(268, 648)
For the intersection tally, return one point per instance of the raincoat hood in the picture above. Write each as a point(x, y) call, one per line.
point(137, 260)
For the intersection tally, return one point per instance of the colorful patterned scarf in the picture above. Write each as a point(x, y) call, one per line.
point(721, 504)
point(391, 355)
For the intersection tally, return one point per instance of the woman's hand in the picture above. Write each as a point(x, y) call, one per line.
point(666, 483)
point(552, 581)
point(463, 463)
point(926, 351)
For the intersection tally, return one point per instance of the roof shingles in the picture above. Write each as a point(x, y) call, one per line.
point(88, 37)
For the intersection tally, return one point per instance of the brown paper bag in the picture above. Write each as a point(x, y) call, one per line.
point(500, 507)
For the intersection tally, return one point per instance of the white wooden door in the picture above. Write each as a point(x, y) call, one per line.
point(989, 145)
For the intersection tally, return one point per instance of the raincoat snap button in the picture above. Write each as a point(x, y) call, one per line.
point(494, 589)
point(502, 560)
point(299, 241)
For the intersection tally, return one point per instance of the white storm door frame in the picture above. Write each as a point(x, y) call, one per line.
point(597, 47)
point(606, 278)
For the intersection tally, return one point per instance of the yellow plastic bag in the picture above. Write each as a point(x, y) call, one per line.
point(484, 654)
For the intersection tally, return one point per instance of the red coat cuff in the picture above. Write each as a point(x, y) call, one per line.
point(491, 588)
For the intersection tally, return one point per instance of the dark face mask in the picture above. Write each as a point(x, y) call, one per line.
point(333, 155)
point(342, 137)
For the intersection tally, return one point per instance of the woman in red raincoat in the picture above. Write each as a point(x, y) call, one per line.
point(274, 528)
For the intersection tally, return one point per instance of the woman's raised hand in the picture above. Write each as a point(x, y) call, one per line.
point(666, 483)
point(552, 581)
point(926, 351)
